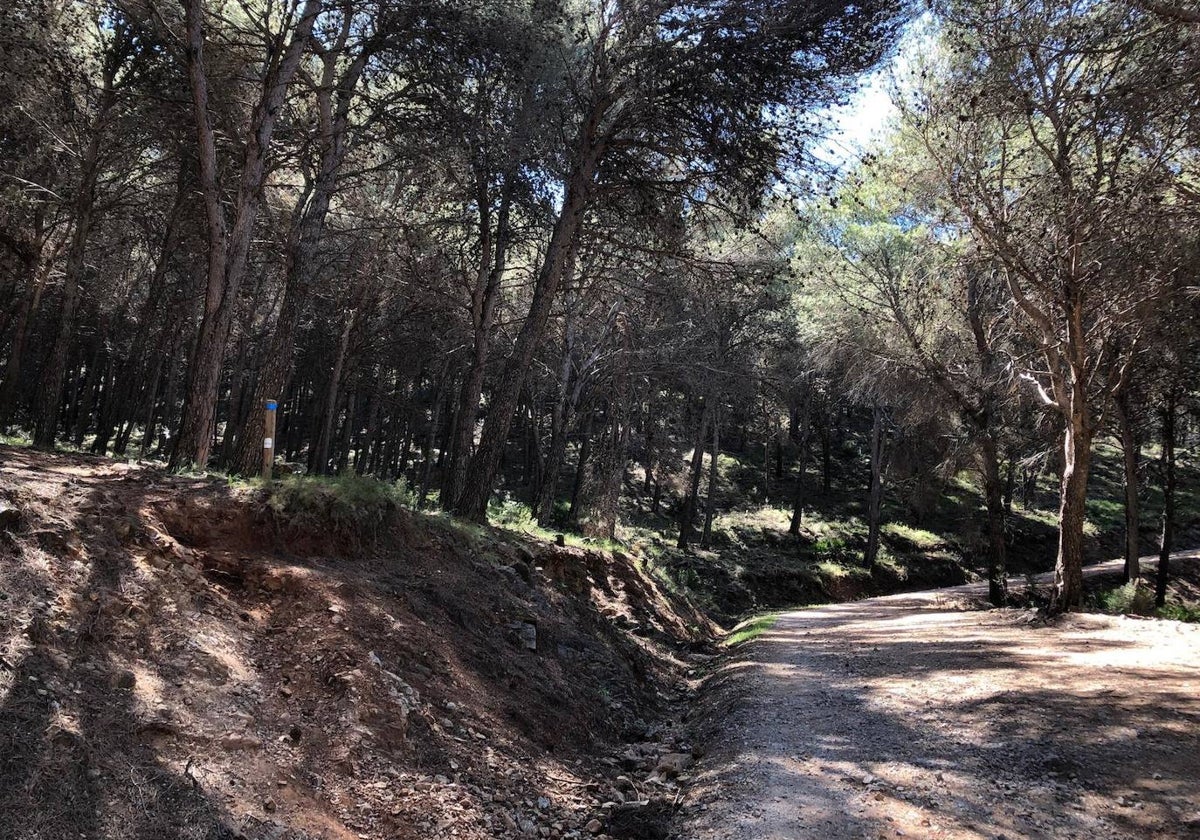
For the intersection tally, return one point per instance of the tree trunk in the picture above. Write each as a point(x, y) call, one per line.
point(228, 245)
point(1010, 480)
point(1130, 446)
point(1167, 541)
point(88, 394)
point(342, 455)
point(687, 511)
point(585, 454)
point(50, 393)
point(481, 475)
point(875, 490)
point(993, 493)
point(484, 298)
point(435, 416)
point(560, 422)
point(16, 351)
point(826, 461)
point(648, 460)
point(151, 400)
point(1077, 455)
point(710, 506)
point(604, 498)
point(802, 432)
point(318, 463)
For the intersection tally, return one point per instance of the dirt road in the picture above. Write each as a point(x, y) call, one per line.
point(908, 716)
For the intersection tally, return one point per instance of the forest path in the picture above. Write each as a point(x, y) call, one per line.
point(908, 716)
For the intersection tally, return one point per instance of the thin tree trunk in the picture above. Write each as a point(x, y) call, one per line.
point(651, 423)
point(1167, 540)
point(826, 461)
point(342, 455)
point(319, 462)
point(1131, 449)
point(989, 467)
point(585, 453)
point(16, 351)
point(688, 509)
point(50, 393)
point(434, 420)
point(875, 490)
point(88, 395)
point(803, 435)
point(710, 506)
point(1010, 478)
point(560, 421)
point(484, 299)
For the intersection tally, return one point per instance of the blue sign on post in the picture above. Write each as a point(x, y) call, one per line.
point(272, 405)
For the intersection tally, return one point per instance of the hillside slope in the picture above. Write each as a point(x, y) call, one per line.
point(179, 658)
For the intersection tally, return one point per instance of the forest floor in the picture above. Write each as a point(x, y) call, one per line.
point(917, 715)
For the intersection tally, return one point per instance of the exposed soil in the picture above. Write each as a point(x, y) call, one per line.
point(176, 661)
point(910, 716)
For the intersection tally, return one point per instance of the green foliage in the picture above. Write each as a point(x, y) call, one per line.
point(834, 551)
point(830, 570)
point(1178, 611)
point(1131, 598)
point(912, 536)
point(507, 512)
point(350, 505)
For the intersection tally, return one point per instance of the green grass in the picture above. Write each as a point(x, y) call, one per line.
point(509, 514)
point(917, 538)
point(750, 629)
point(350, 506)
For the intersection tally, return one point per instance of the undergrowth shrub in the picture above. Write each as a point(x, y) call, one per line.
point(1176, 611)
point(507, 512)
point(347, 506)
point(1131, 598)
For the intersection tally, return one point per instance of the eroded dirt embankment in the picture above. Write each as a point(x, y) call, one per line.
point(177, 660)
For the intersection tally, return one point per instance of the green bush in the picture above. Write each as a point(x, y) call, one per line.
point(507, 512)
point(1130, 598)
point(1177, 611)
point(349, 505)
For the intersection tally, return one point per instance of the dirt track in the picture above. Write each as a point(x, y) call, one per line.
point(909, 717)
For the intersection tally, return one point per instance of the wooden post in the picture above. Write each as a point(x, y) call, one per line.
point(269, 440)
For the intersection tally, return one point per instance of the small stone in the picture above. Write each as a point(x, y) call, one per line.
point(125, 680)
point(240, 742)
point(10, 517)
point(594, 826)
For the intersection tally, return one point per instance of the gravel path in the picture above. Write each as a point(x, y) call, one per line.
point(908, 716)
